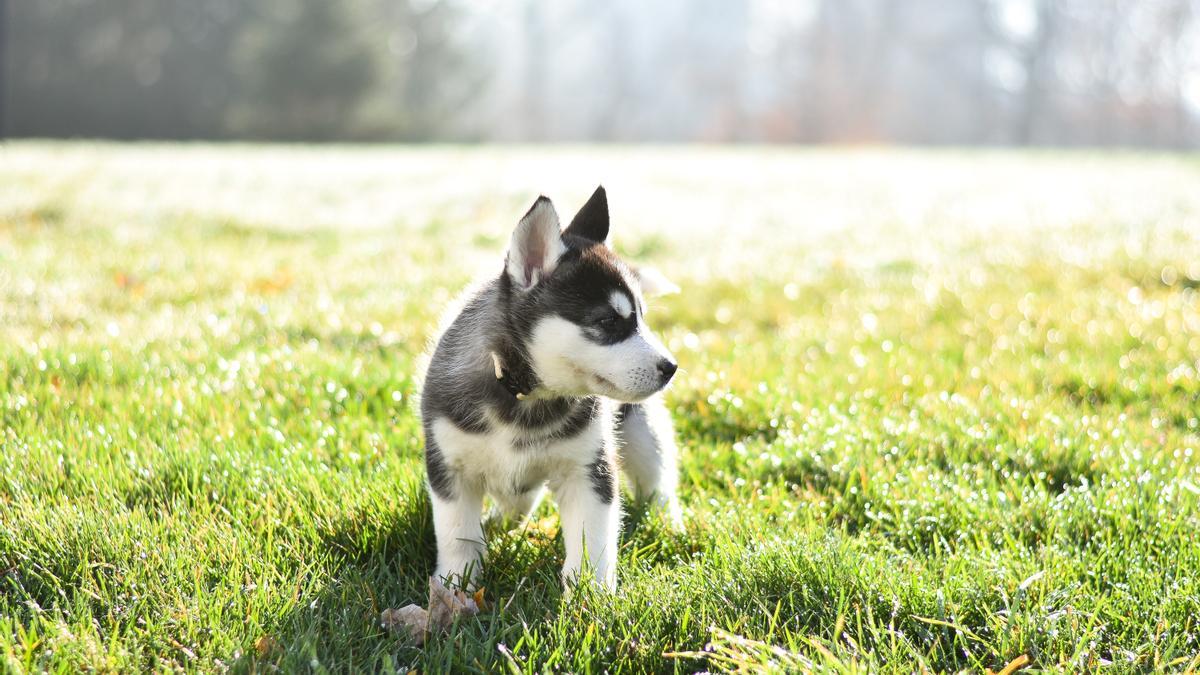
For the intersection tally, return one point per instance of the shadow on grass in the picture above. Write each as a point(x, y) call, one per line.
point(382, 559)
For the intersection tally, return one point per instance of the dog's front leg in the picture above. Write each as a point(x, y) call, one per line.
point(457, 514)
point(590, 511)
point(457, 524)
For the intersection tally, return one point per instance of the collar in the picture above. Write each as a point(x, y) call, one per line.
point(519, 387)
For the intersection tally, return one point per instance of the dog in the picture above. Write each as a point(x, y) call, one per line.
point(545, 377)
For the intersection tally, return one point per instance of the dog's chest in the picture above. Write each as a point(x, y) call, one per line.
point(508, 458)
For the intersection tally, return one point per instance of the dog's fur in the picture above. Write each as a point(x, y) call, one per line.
point(545, 376)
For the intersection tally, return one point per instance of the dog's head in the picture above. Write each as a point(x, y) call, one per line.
point(579, 309)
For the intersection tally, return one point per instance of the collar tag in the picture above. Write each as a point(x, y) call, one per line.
point(497, 368)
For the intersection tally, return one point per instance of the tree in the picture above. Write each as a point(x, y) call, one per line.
point(120, 68)
point(303, 70)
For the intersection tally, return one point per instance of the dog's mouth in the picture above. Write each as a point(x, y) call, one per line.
point(598, 384)
point(596, 381)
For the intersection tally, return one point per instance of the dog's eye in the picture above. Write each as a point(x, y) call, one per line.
point(609, 322)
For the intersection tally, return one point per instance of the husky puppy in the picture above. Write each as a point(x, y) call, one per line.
point(544, 378)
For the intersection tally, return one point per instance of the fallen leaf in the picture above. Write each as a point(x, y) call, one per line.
point(446, 605)
point(265, 645)
point(411, 619)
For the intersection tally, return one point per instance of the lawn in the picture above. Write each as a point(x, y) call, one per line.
point(938, 409)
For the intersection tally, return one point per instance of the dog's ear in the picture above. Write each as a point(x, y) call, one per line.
point(653, 282)
point(592, 220)
point(536, 245)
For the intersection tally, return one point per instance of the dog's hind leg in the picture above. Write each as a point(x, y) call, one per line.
point(649, 456)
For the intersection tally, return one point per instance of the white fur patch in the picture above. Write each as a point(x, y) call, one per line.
point(620, 303)
point(488, 463)
point(569, 363)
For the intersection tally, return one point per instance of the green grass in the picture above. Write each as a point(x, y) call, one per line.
point(938, 409)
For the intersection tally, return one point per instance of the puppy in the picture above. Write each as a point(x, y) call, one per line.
point(546, 376)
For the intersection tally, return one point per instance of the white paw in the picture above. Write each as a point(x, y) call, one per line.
point(674, 514)
point(573, 577)
point(460, 574)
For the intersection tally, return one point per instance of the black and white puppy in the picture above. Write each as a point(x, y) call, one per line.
point(548, 374)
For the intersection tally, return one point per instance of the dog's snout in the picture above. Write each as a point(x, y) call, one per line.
point(666, 369)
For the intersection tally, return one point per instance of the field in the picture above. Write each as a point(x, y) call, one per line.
point(939, 409)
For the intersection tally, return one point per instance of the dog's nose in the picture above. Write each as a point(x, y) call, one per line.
point(667, 368)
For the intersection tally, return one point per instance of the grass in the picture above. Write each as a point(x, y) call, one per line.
point(939, 409)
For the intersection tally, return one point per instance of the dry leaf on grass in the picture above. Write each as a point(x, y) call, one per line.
point(445, 605)
point(412, 619)
point(266, 644)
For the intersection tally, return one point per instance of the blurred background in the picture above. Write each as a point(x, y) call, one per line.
point(972, 72)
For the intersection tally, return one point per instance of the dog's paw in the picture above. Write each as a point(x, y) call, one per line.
point(574, 579)
point(463, 577)
point(674, 515)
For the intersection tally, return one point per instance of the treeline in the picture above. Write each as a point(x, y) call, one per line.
point(997, 72)
point(301, 70)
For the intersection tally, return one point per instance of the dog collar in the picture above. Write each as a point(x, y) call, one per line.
point(507, 379)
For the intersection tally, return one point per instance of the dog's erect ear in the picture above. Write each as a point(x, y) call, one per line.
point(592, 220)
point(654, 282)
point(536, 245)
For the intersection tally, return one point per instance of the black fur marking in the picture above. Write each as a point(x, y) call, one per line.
point(578, 417)
point(578, 290)
point(592, 220)
point(522, 489)
point(448, 391)
point(517, 376)
point(604, 477)
point(440, 479)
point(608, 327)
point(513, 385)
point(471, 423)
point(532, 415)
